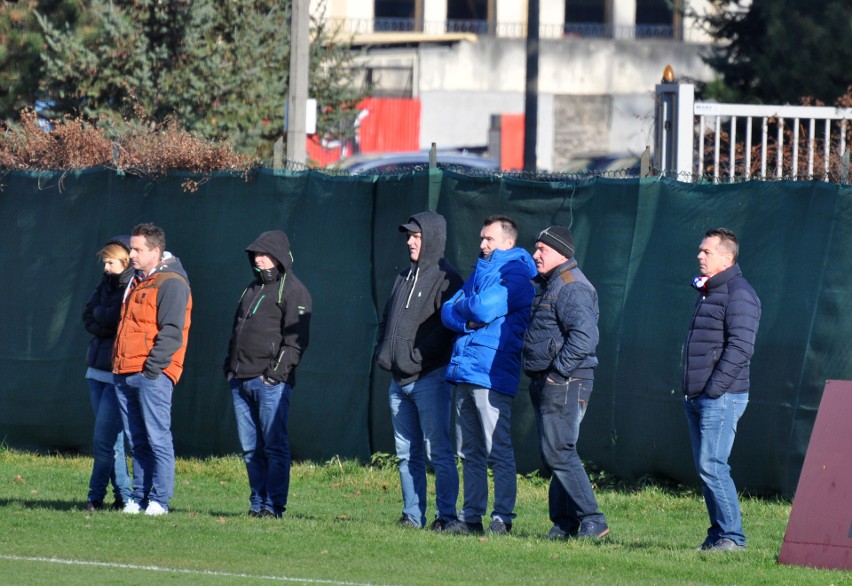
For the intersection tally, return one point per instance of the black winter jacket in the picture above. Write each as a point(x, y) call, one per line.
point(272, 322)
point(102, 312)
point(563, 333)
point(721, 338)
point(412, 340)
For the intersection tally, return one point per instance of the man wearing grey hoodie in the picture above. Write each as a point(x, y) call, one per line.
point(415, 347)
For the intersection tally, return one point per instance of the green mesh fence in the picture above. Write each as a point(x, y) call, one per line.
point(636, 240)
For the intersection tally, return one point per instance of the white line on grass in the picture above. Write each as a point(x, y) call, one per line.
point(18, 558)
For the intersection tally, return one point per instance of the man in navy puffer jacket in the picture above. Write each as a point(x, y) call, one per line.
point(718, 353)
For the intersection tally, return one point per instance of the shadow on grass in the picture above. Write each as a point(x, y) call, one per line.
point(55, 505)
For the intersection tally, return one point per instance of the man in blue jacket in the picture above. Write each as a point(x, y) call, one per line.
point(490, 314)
point(560, 359)
point(719, 348)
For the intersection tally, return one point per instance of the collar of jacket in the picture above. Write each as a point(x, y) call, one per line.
point(721, 278)
point(557, 270)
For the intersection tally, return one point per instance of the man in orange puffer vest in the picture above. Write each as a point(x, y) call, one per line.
point(147, 362)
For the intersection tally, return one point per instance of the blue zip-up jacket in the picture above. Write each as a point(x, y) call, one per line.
point(721, 338)
point(563, 332)
point(490, 315)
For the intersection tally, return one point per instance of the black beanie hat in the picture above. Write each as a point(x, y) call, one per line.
point(559, 238)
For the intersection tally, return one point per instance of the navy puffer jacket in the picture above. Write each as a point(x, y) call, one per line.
point(721, 338)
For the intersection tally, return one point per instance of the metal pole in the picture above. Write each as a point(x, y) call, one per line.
point(531, 91)
point(298, 82)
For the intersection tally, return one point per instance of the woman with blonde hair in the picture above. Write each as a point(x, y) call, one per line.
point(100, 317)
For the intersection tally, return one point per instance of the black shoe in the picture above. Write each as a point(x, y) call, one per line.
point(725, 545)
point(254, 514)
point(117, 505)
point(438, 525)
point(556, 532)
point(592, 530)
point(267, 514)
point(406, 521)
point(92, 506)
point(499, 527)
point(462, 528)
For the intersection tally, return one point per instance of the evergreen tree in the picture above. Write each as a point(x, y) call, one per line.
point(218, 67)
point(780, 51)
point(21, 44)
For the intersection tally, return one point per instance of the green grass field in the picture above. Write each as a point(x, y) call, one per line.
point(341, 528)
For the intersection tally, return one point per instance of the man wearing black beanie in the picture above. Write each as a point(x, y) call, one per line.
point(560, 359)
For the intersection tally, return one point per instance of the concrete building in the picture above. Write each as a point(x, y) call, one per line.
point(464, 62)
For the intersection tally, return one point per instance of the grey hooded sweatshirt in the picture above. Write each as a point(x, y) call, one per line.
point(412, 340)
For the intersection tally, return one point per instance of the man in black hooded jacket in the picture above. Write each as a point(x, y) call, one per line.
point(415, 347)
point(270, 334)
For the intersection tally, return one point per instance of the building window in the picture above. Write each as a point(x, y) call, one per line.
point(388, 81)
point(467, 10)
point(654, 12)
point(394, 9)
point(586, 18)
point(468, 16)
point(658, 18)
point(398, 15)
point(585, 11)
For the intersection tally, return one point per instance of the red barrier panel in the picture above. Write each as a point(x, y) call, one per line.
point(512, 142)
point(819, 532)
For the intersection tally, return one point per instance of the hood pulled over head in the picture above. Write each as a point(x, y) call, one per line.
point(433, 236)
point(121, 240)
point(275, 244)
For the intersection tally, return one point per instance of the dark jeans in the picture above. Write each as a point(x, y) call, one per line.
point(559, 409)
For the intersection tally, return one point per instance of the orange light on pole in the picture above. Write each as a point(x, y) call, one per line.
point(668, 74)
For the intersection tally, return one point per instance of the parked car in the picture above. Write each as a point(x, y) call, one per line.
point(613, 164)
point(406, 161)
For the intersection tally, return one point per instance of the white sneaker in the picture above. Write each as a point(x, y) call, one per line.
point(155, 509)
point(131, 508)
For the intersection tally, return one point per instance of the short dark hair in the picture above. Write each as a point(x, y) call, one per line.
point(727, 240)
point(510, 228)
point(154, 235)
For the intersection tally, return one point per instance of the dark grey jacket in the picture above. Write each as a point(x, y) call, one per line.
point(412, 340)
point(561, 339)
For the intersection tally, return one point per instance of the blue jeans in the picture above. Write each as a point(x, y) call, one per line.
point(110, 465)
point(559, 409)
point(146, 411)
point(712, 429)
point(420, 413)
point(483, 437)
point(261, 412)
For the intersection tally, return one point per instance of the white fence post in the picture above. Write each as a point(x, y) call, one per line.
point(673, 144)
